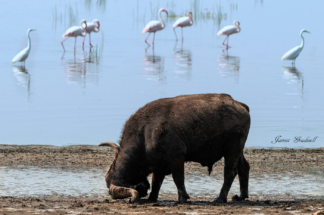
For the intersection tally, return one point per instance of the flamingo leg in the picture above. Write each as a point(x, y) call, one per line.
point(84, 39)
point(90, 40)
point(153, 38)
point(225, 40)
point(227, 43)
point(147, 38)
point(75, 43)
point(175, 34)
point(182, 33)
point(63, 41)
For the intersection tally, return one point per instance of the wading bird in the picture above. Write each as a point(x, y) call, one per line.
point(92, 27)
point(183, 22)
point(23, 54)
point(74, 32)
point(228, 30)
point(154, 26)
point(293, 53)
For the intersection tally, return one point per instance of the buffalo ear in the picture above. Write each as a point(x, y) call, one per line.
point(112, 145)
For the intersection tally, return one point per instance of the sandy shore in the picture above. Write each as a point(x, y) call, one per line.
point(283, 181)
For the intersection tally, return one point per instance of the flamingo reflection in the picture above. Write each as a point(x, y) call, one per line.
point(154, 67)
point(183, 62)
point(81, 69)
point(23, 77)
point(229, 65)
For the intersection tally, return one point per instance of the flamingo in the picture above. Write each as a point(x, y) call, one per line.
point(154, 26)
point(23, 54)
point(92, 27)
point(293, 53)
point(75, 31)
point(228, 30)
point(183, 22)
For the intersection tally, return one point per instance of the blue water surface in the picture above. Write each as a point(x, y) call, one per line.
point(85, 97)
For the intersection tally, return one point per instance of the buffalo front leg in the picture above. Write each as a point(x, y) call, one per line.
point(178, 178)
point(243, 168)
point(230, 171)
point(157, 179)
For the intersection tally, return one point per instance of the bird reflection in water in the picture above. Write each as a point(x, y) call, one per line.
point(293, 75)
point(183, 62)
point(81, 69)
point(23, 77)
point(154, 67)
point(229, 66)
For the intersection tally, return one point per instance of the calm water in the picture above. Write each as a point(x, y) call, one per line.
point(34, 181)
point(85, 97)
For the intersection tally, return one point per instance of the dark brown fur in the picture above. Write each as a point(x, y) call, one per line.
point(165, 133)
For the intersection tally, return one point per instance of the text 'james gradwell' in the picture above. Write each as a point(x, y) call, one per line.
point(296, 139)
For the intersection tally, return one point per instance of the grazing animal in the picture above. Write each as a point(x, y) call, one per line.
point(164, 134)
point(75, 31)
point(93, 26)
point(229, 30)
point(293, 53)
point(154, 26)
point(23, 54)
point(183, 22)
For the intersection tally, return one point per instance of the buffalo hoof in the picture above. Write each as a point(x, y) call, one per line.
point(220, 199)
point(239, 198)
point(152, 199)
point(183, 198)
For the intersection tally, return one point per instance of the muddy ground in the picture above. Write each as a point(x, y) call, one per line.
point(279, 162)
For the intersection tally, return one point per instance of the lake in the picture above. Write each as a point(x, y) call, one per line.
point(85, 96)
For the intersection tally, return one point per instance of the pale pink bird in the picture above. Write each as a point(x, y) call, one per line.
point(92, 27)
point(183, 22)
point(228, 30)
point(154, 26)
point(75, 31)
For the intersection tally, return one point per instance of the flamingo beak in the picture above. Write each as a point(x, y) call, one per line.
point(166, 12)
point(98, 24)
point(308, 32)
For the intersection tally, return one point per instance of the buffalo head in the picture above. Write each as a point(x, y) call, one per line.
point(115, 181)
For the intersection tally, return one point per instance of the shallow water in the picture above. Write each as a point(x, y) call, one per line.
point(35, 181)
point(85, 97)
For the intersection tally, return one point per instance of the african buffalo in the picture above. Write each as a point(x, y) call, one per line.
point(164, 134)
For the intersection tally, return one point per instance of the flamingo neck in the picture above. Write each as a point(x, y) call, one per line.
point(84, 28)
point(96, 27)
point(161, 19)
point(238, 28)
point(190, 18)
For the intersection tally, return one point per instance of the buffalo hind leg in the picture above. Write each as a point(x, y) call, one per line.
point(157, 179)
point(243, 168)
point(178, 178)
point(230, 171)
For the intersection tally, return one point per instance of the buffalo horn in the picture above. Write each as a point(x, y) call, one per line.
point(110, 144)
point(123, 192)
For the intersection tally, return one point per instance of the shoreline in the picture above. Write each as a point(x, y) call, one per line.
point(90, 146)
point(70, 179)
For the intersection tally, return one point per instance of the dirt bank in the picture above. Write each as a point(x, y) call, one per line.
point(273, 162)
